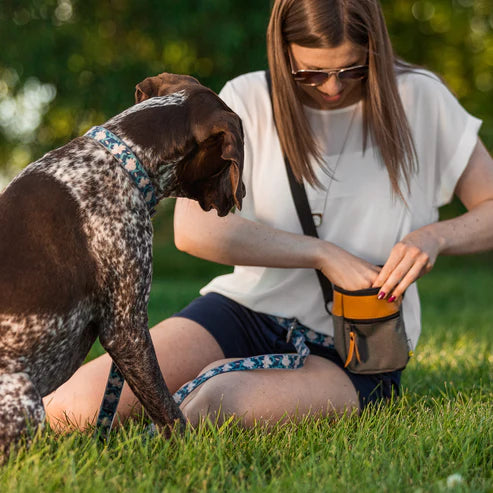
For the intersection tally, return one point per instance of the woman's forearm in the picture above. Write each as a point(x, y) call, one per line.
point(234, 240)
point(471, 232)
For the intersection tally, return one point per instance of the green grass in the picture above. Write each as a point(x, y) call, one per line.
point(412, 445)
point(442, 425)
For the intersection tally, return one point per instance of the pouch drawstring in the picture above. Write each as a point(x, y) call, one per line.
point(353, 349)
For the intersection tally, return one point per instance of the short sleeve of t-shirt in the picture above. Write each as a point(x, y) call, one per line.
point(444, 133)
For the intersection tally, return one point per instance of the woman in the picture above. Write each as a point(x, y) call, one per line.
point(381, 146)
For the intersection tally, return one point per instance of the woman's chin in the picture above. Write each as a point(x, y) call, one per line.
point(315, 98)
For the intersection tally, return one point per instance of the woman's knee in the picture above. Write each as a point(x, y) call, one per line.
point(267, 397)
point(216, 399)
point(202, 403)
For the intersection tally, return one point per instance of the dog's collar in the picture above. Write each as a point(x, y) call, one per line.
point(129, 162)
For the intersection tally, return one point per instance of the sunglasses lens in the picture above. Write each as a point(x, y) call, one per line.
point(318, 77)
point(310, 78)
point(354, 73)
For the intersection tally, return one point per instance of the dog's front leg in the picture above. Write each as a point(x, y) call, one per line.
point(133, 353)
point(21, 409)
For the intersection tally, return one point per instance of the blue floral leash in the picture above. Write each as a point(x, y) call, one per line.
point(129, 162)
point(297, 333)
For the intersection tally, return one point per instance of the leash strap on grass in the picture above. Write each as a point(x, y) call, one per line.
point(109, 404)
point(297, 334)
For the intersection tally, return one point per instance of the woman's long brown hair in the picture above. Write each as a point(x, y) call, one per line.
point(328, 23)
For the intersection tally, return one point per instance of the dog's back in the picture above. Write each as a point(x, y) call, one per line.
point(43, 249)
point(46, 275)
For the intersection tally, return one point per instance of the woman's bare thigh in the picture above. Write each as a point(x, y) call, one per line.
point(183, 348)
point(267, 396)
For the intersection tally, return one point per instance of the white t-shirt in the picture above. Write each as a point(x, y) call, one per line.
point(361, 215)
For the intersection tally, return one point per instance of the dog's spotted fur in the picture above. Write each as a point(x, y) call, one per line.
point(20, 407)
point(75, 251)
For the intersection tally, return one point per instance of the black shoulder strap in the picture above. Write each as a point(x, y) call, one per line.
point(304, 212)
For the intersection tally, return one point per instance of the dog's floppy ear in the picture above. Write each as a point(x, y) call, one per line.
point(232, 151)
point(146, 89)
point(223, 129)
point(162, 84)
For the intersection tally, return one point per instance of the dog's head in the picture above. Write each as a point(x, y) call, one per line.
point(203, 139)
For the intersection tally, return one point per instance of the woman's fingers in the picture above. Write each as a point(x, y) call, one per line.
point(409, 259)
point(351, 273)
point(406, 264)
point(401, 278)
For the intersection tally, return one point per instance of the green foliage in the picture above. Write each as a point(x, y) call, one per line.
point(94, 53)
point(72, 63)
point(453, 38)
point(409, 446)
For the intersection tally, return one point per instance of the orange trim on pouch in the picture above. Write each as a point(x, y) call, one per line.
point(362, 307)
point(353, 348)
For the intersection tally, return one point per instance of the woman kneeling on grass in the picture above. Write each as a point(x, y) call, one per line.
point(381, 146)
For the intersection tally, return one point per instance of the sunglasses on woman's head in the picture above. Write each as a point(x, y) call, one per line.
point(318, 77)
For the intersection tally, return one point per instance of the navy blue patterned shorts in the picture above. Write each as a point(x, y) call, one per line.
point(241, 332)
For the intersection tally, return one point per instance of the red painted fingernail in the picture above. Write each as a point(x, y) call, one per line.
point(391, 299)
point(381, 295)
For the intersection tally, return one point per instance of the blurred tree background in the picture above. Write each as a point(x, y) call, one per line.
point(68, 64)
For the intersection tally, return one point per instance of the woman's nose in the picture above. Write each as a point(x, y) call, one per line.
point(332, 86)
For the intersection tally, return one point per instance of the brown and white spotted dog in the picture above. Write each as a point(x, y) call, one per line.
point(76, 245)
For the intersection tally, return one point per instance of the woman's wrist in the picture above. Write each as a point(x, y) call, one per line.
point(323, 253)
point(434, 234)
point(468, 233)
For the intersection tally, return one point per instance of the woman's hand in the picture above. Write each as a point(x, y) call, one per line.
point(471, 232)
point(410, 259)
point(346, 270)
